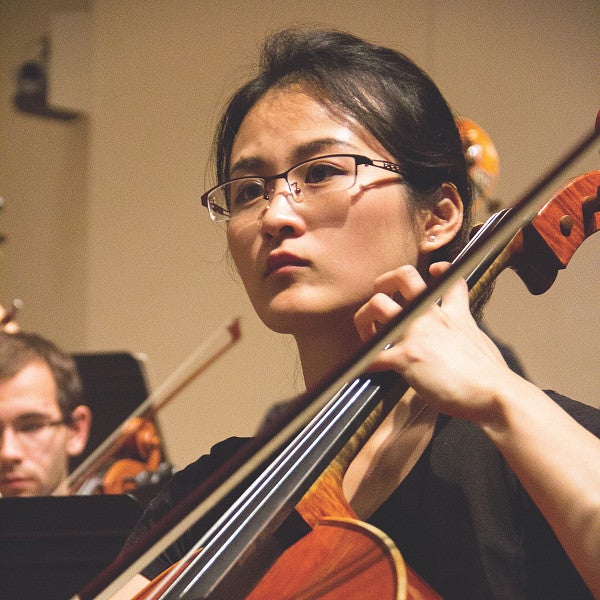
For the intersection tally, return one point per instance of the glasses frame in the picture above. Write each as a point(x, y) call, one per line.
point(28, 436)
point(218, 216)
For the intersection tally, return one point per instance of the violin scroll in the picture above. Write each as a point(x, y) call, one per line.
point(482, 163)
point(8, 316)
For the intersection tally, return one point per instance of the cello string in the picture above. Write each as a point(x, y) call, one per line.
point(233, 523)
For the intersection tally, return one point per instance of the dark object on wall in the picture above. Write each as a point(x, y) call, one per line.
point(32, 88)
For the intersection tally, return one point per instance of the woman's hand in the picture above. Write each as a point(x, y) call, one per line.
point(444, 355)
point(456, 368)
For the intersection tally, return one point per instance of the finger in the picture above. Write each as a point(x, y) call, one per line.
point(457, 297)
point(439, 268)
point(390, 359)
point(403, 284)
point(379, 310)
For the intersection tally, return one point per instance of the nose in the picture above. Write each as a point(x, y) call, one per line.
point(287, 186)
point(280, 213)
point(10, 448)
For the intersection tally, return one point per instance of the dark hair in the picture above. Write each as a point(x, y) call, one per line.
point(381, 89)
point(18, 350)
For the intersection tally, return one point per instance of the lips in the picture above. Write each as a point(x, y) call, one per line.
point(12, 485)
point(280, 261)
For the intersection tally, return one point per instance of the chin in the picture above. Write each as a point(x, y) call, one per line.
point(298, 318)
point(283, 322)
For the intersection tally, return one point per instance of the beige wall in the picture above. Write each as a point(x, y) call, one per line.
point(144, 269)
point(43, 180)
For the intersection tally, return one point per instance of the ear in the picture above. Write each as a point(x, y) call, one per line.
point(79, 430)
point(443, 222)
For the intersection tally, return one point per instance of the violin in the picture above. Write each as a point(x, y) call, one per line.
point(299, 462)
point(131, 457)
point(483, 166)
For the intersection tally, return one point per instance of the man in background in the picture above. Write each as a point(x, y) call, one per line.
point(42, 419)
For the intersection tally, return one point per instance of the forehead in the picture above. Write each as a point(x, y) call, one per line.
point(32, 390)
point(290, 124)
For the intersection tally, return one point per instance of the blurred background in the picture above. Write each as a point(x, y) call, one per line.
point(106, 243)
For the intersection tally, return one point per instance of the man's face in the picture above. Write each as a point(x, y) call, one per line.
point(35, 443)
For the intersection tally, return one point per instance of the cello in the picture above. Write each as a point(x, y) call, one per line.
point(366, 388)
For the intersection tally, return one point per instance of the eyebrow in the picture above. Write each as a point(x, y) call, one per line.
point(253, 164)
point(32, 415)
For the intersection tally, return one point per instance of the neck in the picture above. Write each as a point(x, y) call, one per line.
point(324, 349)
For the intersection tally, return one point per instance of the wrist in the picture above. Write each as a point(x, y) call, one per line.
point(515, 405)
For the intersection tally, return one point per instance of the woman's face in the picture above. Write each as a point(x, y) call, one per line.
point(315, 261)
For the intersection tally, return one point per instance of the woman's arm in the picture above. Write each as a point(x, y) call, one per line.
point(457, 369)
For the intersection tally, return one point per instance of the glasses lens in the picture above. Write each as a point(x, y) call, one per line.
point(218, 205)
point(319, 175)
point(33, 431)
point(324, 174)
point(236, 196)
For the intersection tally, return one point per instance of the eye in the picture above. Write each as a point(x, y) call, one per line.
point(29, 426)
point(245, 191)
point(321, 171)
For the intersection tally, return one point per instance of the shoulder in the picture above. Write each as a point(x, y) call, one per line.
point(190, 477)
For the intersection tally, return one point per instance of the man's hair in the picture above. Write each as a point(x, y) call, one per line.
point(18, 350)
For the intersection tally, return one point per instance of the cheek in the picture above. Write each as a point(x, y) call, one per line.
point(385, 235)
point(241, 242)
point(43, 462)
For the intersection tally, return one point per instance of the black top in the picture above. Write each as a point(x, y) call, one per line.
point(461, 519)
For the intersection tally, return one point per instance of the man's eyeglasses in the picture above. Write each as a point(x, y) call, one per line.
point(31, 431)
point(320, 175)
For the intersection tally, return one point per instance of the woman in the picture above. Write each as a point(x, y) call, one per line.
point(343, 185)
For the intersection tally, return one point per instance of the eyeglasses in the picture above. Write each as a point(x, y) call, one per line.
point(320, 175)
point(31, 431)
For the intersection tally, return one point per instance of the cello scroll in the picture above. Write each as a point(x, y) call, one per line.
point(548, 242)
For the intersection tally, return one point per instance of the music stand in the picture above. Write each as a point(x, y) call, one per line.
point(51, 547)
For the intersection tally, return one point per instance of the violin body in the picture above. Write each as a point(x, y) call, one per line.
point(337, 560)
point(137, 451)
